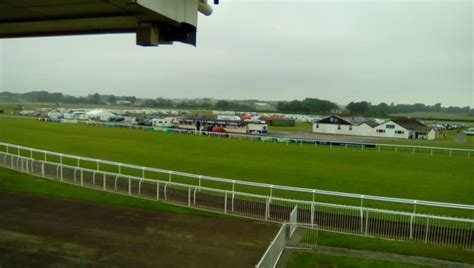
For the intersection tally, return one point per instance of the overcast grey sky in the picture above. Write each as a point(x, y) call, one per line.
point(391, 51)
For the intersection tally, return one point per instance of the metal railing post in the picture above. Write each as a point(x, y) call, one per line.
point(189, 196)
point(194, 195)
point(267, 209)
point(427, 228)
point(366, 222)
point(42, 170)
point(157, 190)
point(129, 186)
point(362, 213)
point(225, 202)
point(104, 182)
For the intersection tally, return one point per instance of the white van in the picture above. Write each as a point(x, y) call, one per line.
point(469, 131)
point(163, 122)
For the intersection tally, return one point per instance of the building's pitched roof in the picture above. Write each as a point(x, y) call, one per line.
point(334, 119)
point(371, 123)
point(411, 124)
point(356, 120)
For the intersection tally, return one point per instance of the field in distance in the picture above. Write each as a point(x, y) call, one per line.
point(418, 176)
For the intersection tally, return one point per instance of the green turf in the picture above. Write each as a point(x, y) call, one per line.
point(308, 259)
point(14, 181)
point(419, 176)
point(443, 139)
point(403, 248)
point(446, 139)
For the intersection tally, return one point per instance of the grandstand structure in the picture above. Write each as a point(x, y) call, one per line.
point(154, 22)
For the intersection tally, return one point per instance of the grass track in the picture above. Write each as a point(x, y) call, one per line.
point(398, 247)
point(306, 259)
point(418, 176)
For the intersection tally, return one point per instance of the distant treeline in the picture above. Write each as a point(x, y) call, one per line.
point(47, 97)
point(318, 106)
point(307, 106)
point(383, 109)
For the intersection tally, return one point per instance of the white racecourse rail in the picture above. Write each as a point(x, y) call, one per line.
point(168, 186)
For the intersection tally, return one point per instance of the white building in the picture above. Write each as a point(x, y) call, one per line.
point(404, 128)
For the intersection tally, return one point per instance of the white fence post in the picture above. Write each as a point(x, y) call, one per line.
point(427, 229)
point(194, 196)
point(42, 170)
point(366, 222)
point(225, 202)
point(157, 190)
point(104, 181)
point(189, 196)
point(267, 209)
point(362, 213)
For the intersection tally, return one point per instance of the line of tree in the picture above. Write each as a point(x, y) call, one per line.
point(308, 105)
point(56, 97)
point(96, 98)
point(383, 109)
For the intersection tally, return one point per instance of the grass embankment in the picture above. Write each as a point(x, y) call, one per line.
point(404, 248)
point(308, 259)
point(14, 181)
point(406, 175)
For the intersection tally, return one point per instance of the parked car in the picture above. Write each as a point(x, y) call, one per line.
point(469, 131)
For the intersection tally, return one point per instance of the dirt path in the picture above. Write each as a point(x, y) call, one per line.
point(45, 232)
